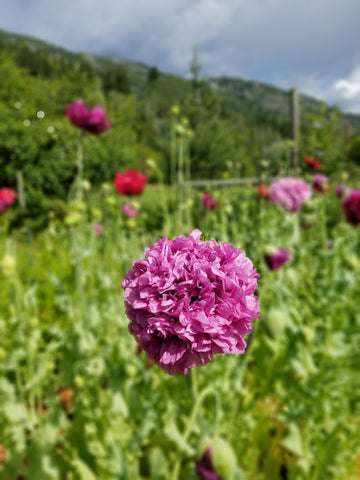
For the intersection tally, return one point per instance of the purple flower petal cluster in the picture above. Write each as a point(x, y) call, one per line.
point(351, 206)
point(190, 299)
point(204, 466)
point(93, 120)
point(277, 259)
point(290, 193)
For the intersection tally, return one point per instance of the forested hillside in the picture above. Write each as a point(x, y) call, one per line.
point(232, 126)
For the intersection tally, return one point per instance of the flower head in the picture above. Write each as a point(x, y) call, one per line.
point(7, 198)
point(98, 228)
point(190, 299)
point(209, 202)
point(290, 193)
point(320, 183)
point(341, 191)
point(129, 210)
point(263, 191)
point(93, 120)
point(130, 182)
point(277, 258)
point(351, 206)
point(314, 163)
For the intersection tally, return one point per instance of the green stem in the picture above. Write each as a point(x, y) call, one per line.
point(191, 421)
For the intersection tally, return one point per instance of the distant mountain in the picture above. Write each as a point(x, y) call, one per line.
point(255, 100)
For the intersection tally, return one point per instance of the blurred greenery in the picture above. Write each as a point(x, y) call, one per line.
point(79, 400)
point(234, 127)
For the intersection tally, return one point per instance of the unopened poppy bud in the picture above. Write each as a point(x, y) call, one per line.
point(276, 321)
point(8, 265)
point(218, 461)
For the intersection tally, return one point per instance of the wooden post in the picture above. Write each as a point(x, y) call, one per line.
point(20, 188)
point(295, 120)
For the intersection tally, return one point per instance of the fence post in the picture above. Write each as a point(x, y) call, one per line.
point(295, 118)
point(20, 189)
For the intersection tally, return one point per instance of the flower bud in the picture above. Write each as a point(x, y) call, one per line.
point(276, 321)
point(217, 460)
point(8, 265)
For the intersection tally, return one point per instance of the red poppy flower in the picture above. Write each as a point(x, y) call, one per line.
point(7, 198)
point(314, 163)
point(130, 182)
point(263, 191)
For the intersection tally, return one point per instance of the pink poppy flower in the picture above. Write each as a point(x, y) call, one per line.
point(129, 211)
point(290, 193)
point(209, 202)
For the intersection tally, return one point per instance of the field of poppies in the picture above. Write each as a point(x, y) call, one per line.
point(159, 331)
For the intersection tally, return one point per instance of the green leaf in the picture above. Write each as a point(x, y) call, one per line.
point(293, 440)
point(119, 406)
point(83, 471)
point(158, 465)
point(172, 432)
point(14, 412)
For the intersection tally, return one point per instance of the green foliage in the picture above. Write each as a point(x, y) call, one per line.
point(77, 398)
point(323, 136)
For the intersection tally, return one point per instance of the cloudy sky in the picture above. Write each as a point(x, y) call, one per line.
point(313, 45)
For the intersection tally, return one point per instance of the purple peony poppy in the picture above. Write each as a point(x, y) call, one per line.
point(290, 193)
point(277, 259)
point(190, 299)
point(93, 120)
point(351, 206)
point(209, 202)
point(204, 466)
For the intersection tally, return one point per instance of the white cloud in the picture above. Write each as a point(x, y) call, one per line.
point(349, 88)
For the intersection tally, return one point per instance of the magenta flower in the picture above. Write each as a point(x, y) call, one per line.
point(129, 210)
point(290, 193)
point(93, 120)
point(209, 202)
point(190, 299)
point(320, 183)
point(98, 228)
point(7, 198)
point(277, 259)
point(341, 191)
point(351, 206)
point(204, 466)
